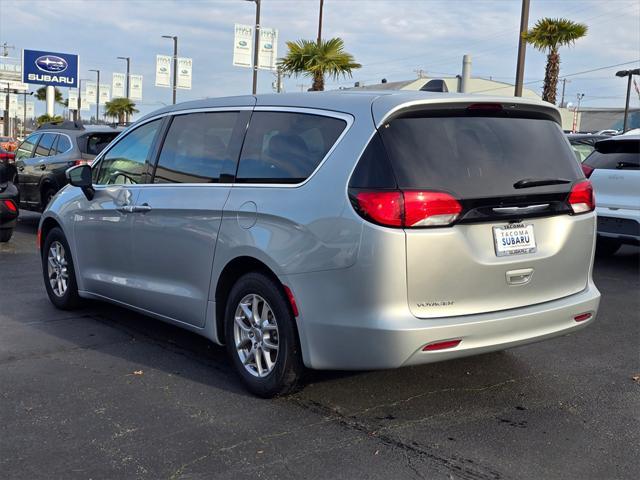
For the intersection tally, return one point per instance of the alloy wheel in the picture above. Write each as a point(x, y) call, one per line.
point(255, 333)
point(57, 269)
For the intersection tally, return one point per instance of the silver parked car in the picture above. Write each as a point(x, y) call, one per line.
point(334, 230)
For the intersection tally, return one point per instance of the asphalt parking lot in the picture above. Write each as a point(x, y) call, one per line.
point(106, 393)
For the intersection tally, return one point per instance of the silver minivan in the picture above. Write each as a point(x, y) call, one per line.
point(335, 230)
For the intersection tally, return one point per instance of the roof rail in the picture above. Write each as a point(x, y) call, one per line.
point(64, 125)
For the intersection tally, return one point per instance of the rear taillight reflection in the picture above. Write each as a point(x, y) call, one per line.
point(581, 198)
point(408, 209)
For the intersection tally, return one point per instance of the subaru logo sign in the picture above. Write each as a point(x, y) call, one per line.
point(268, 46)
point(50, 68)
point(242, 43)
point(51, 64)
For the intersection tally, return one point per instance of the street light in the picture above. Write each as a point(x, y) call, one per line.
point(579, 96)
point(97, 95)
point(628, 74)
point(256, 45)
point(24, 113)
point(128, 60)
point(175, 64)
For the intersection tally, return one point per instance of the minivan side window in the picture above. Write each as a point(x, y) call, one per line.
point(198, 148)
point(125, 162)
point(45, 144)
point(286, 147)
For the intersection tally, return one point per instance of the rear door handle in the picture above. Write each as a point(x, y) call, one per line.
point(125, 209)
point(43, 166)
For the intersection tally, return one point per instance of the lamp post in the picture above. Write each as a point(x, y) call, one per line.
point(579, 96)
point(628, 74)
point(97, 95)
point(24, 113)
point(175, 64)
point(128, 60)
point(256, 45)
point(522, 48)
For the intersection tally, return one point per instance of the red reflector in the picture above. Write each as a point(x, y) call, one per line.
point(582, 317)
point(11, 206)
point(384, 208)
point(292, 300)
point(581, 197)
point(39, 239)
point(441, 345)
point(487, 107)
point(587, 170)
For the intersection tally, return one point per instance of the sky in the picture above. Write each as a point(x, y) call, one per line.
point(392, 39)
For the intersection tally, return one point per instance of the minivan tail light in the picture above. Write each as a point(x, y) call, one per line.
point(587, 170)
point(408, 209)
point(581, 198)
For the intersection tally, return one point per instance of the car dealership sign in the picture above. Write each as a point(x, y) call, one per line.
point(50, 68)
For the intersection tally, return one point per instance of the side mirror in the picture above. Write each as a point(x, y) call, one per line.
point(80, 176)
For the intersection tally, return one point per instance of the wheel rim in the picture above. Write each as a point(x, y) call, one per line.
point(255, 333)
point(57, 269)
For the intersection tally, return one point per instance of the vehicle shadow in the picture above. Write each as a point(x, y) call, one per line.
point(27, 222)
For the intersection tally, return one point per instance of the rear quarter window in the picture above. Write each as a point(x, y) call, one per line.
point(286, 147)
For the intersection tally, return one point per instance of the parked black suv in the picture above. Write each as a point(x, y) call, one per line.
point(44, 156)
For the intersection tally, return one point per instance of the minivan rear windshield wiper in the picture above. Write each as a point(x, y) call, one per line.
point(539, 182)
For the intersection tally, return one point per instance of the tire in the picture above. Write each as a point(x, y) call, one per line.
point(61, 263)
point(286, 369)
point(5, 234)
point(47, 195)
point(605, 247)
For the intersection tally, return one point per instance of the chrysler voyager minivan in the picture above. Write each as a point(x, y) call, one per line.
point(338, 230)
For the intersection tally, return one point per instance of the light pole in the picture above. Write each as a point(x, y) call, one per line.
point(320, 23)
point(522, 47)
point(579, 96)
point(256, 45)
point(24, 113)
point(628, 74)
point(97, 95)
point(175, 64)
point(128, 60)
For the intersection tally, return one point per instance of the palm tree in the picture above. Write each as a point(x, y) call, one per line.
point(317, 59)
point(41, 94)
point(119, 108)
point(547, 35)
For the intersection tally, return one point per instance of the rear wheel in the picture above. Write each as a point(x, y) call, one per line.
point(606, 247)
point(5, 234)
point(261, 336)
point(58, 272)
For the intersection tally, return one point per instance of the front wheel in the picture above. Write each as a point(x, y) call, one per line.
point(261, 336)
point(58, 272)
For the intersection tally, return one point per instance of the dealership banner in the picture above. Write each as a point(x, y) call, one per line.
point(135, 87)
point(185, 67)
point(163, 70)
point(118, 85)
point(50, 68)
point(105, 93)
point(31, 109)
point(268, 48)
point(73, 99)
point(13, 104)
point(242, 45)
point(20, 110)
point(90, 92)
point(85, 105)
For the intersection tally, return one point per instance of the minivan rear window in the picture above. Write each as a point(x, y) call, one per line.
point(478, 156)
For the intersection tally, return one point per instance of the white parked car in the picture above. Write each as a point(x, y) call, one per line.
point(614, 171)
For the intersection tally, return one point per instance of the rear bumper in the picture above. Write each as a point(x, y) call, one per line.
point(396, 339)
point(622, 224)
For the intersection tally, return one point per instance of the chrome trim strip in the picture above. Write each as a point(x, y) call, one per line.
point(527, 209)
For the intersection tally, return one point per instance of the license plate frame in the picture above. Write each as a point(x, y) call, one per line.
point(522, 234)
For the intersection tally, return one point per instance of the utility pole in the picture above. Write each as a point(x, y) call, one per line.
point(256, 46)
point(175, 65)
point(128, 60)
point(279, 80)
point(24, 113)
point(522, 47)
point(564, 85)
point(629, 74)
point(6, 112)
point(320, 23)
point(97, 95)
point(579, 96)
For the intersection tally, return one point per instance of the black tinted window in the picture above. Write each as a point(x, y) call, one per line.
point(26, 148)
point(373, 170)
point(125, 162)
point(615, 160)
point(94, 143)
point(64, 144)
point(286, 147)
point(198, 148)
point(474, 157)
point(45, 144)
